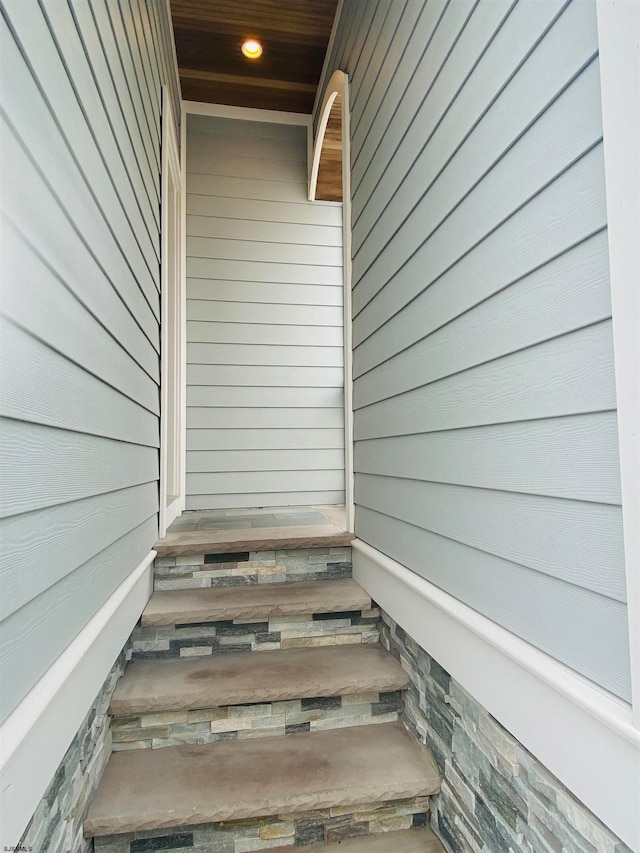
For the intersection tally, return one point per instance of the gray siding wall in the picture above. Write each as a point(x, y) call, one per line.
point(80, 113)
point(486, 443)
point(265, 421)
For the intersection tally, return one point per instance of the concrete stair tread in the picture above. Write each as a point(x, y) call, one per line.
point(188, 606)
point(406, 841)
point(256, 539)
point(232, 780)
point(240, 679)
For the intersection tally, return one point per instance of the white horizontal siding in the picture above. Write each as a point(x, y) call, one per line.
point(269, 498)
point(215, 310)
point(53, 619)
point(245, 270)
point(248, 397)
point(486, 452)
point(79, 358)
point(299, 213)
point(569, 540)
point(214, 332)
point(287, 436)
point(275, 482)
point(539, 457)
point(264, 322)
point(558, 617)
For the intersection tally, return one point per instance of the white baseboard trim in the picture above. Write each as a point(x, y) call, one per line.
point(35, 737)
point(582, 734)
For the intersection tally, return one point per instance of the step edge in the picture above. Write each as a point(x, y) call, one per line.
point(164, 620)
point(368, 658)
point(96, 827)
point(284, 695)
point(352, 597)
point(428, 784)
point(268, 543)
point(181, 618)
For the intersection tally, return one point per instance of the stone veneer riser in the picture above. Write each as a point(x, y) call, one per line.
point(304, 564)
point(239, 635)
point(294, 830)
point(56, 824)
point(170, 728)
point(496, 797)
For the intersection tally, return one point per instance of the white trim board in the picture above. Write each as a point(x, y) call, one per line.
point(245, 113)
point(172, 313)
point(338, 85)
point(619, 46)
point(36, 736)
point(349, 476)
point(174, 52)
point(183, 303)
point(583, 735)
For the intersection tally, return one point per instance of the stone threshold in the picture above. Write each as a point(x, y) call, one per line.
point(252, 539)
point(183, 786)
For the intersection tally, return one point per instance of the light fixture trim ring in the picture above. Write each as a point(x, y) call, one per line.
point(252, 49)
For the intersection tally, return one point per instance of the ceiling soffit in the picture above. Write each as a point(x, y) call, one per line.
point(294, 36)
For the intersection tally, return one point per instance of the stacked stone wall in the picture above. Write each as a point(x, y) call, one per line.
point(496, 797)
point(56, 825)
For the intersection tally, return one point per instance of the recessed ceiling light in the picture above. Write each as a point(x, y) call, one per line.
point(252, 49)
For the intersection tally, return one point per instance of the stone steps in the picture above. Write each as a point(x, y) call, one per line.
point(260, 539)
point(186, 786)
point(406, 841)
point(188, 606)
point(255, 618)
point(276, 676)
point(204, 700)
point(200, 762)
point(248, 567)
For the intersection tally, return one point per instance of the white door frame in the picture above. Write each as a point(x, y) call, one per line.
point(172, 307)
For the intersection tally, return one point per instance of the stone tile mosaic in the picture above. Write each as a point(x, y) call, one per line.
point(495, 795)
point(239, 569)
point(285, 830)
point(151, 731)
point(277, 632)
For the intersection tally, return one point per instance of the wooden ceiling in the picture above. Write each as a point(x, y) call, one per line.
point(329, 185)
point(294, 35)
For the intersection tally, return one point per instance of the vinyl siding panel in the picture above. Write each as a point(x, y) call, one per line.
point(274, 438)
point(486, 452)
point(265, 425)
point(79, 357)
point(246, 500)
point(250, 397)
point(55, 618)
point(490, 584)
point(217, 332)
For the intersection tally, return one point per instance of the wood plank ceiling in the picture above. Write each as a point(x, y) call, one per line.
point(294, 35)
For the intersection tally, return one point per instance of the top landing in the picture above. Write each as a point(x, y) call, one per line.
point(265, 529)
